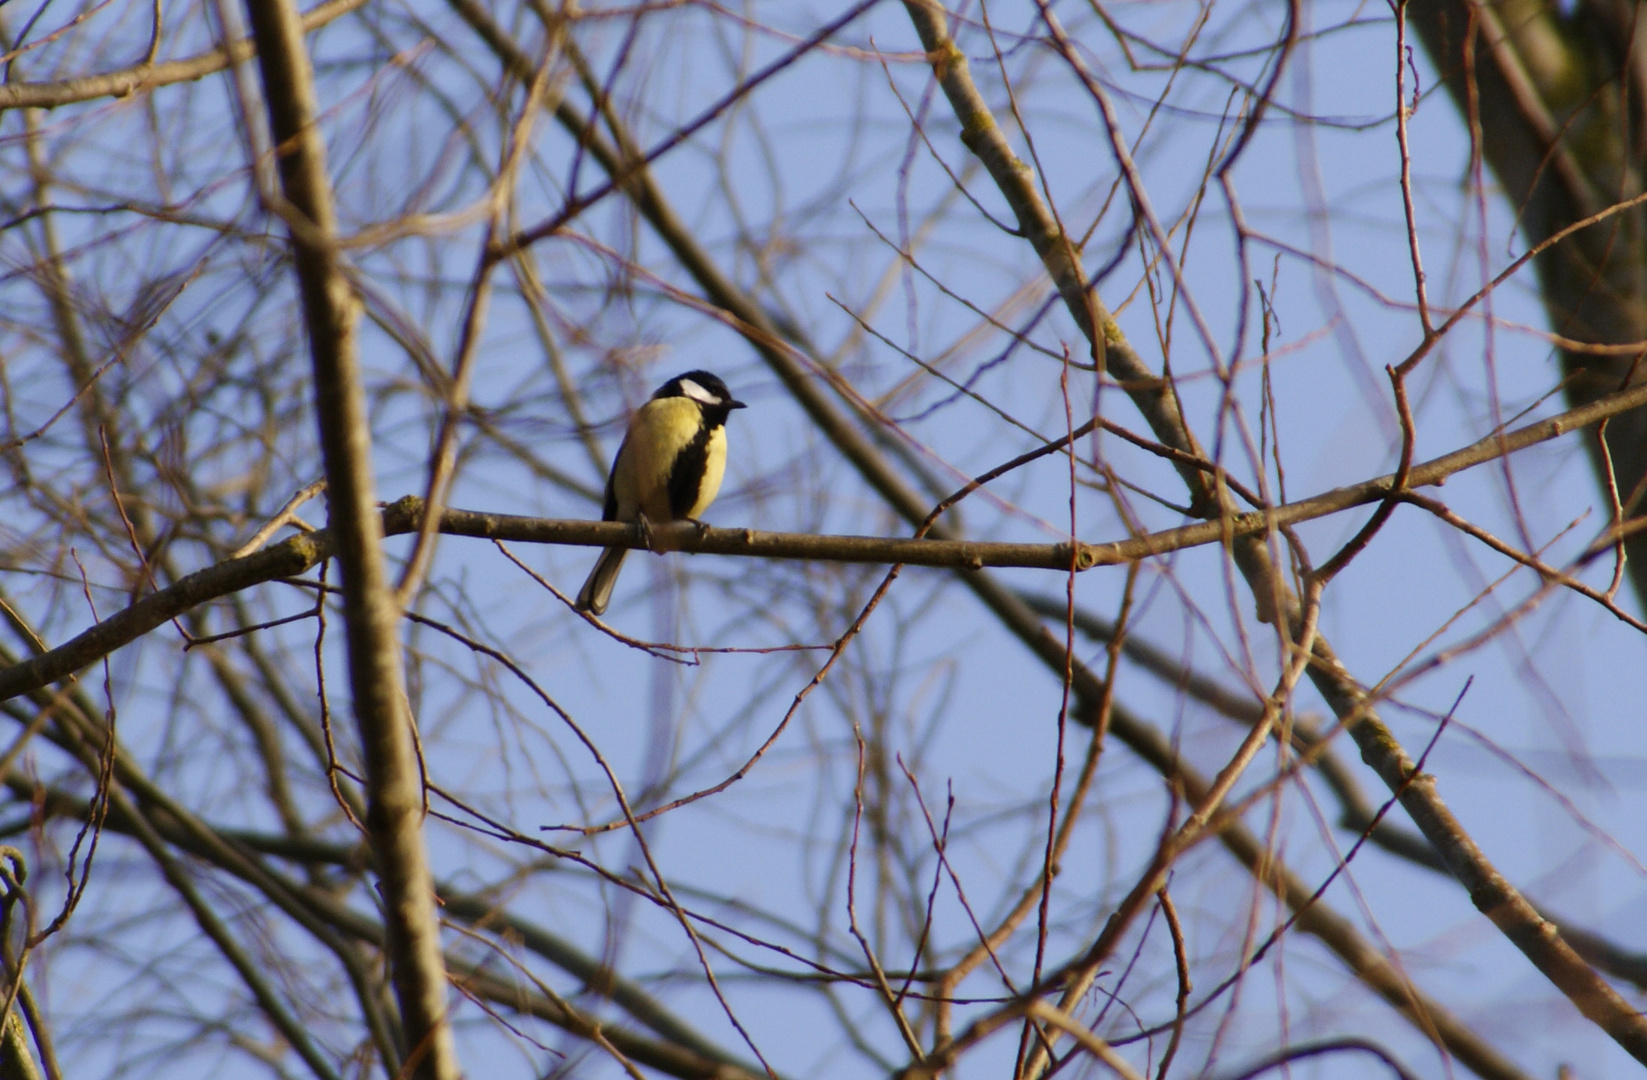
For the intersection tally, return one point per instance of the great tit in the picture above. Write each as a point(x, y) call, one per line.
point(668, 469)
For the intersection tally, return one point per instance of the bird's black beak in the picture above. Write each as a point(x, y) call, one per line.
point(736, 405)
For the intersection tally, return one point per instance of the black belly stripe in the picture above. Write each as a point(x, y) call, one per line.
point(686, 478)
point(610, 510)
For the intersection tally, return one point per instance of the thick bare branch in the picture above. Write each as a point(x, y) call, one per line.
point(298, 554)
point(394, 789)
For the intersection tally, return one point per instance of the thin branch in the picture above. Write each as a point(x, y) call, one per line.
point(1181, 963)
point(250, 971)
point(146, 76)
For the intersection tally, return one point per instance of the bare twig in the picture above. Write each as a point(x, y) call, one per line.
point(286, 516)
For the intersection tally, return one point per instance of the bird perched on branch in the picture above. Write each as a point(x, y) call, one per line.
point(669, 468)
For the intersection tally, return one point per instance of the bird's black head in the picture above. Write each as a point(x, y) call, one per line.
point(707, 390)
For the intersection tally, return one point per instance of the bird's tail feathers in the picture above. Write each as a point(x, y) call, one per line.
point(597, 590)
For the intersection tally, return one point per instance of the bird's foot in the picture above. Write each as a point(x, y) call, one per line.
point(644, 527)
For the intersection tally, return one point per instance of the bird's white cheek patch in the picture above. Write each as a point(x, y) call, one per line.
point(698, 393)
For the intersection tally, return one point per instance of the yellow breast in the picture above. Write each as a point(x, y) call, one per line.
point(659, 433)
